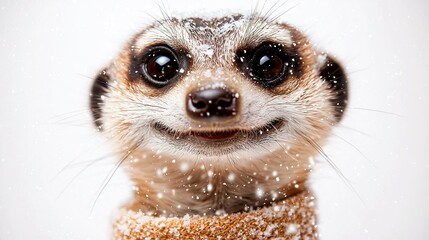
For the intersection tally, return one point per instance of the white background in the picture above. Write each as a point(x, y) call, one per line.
point(49, 51)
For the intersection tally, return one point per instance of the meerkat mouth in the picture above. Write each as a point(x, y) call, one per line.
point(219, 134)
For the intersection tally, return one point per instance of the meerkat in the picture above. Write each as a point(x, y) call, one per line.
point(217, 115)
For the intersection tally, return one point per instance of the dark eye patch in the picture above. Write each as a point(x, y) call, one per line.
point(159, 66)
point(269, 64)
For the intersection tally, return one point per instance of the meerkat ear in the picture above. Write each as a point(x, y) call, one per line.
point(332, 73)
point(99, 88)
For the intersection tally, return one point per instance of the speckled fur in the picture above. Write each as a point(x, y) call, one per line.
point(181, 176)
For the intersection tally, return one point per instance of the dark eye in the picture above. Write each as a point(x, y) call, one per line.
point(160, 65)
point(268, 64)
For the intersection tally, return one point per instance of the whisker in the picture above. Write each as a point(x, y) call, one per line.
point(319, 149)
point(139, 104)
point(378, 111)
point(136, 110)
point(75, 124)
point(355, 130)
point(282, 13)
point(353, 146)
point(85, 76)
point(66, 116)
point(282, 147)
point(99, 159)
point(88, 165)
point(271, 152)
point(72, 113)
point(313, 107)
point(112, 172)
point(64, 168)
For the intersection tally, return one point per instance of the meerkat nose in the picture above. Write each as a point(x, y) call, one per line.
point(212, 104)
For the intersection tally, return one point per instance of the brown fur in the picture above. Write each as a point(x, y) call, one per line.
point(253, 171)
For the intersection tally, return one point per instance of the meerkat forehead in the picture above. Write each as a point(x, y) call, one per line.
point(214, 40)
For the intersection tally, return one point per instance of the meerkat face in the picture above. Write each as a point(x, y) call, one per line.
point(231, 92)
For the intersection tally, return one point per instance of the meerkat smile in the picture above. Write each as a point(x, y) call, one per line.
point(219, 134)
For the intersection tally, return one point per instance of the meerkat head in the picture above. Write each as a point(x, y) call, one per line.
point(235, 92)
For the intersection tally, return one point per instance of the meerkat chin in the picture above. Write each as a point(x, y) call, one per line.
point(217, 115)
